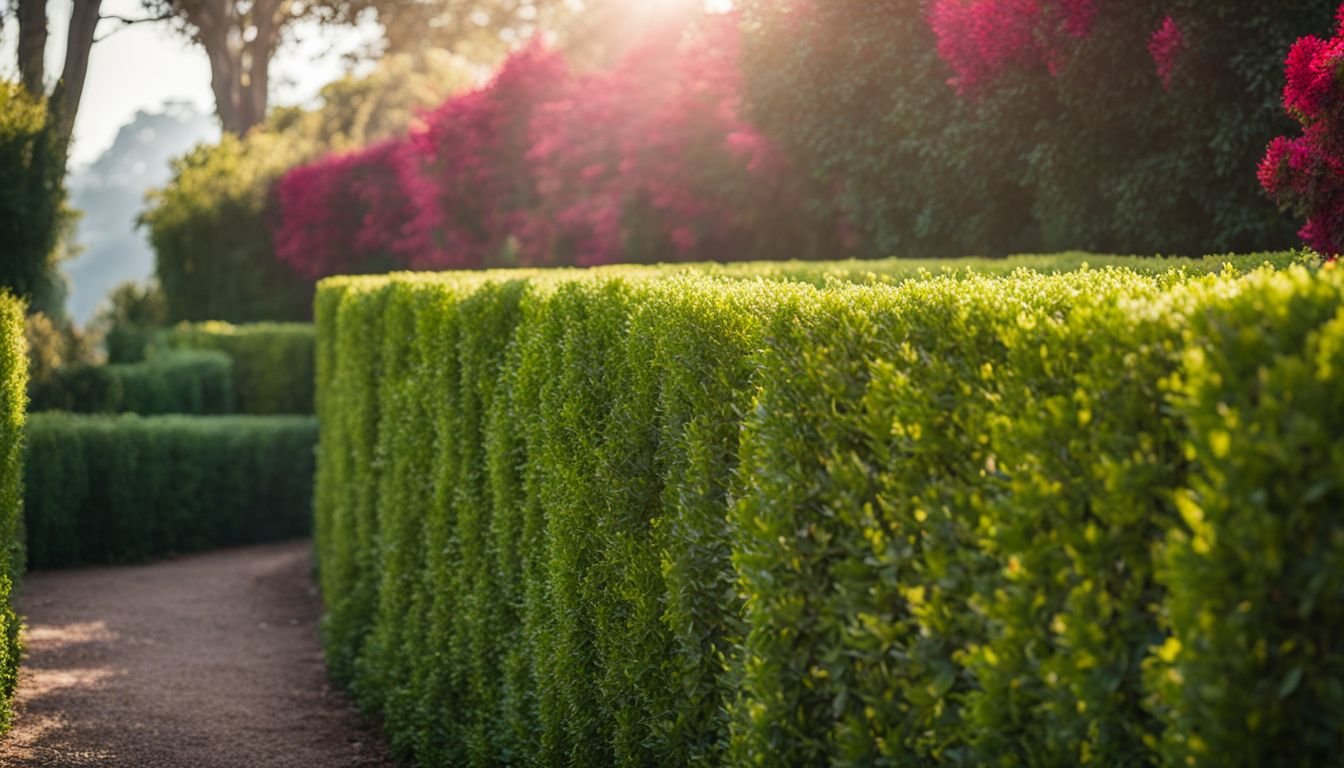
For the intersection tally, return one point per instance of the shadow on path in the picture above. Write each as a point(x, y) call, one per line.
point(203, 662)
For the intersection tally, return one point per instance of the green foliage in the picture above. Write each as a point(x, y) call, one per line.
point(32, 194)
point(53, 343)
point(117, 489)
point(186, 381)
point(129, 318)
point(13, 397)
point(210, 227)
point(272, 362)
point(856, 96)
point(1251, 674)
point(851, 514)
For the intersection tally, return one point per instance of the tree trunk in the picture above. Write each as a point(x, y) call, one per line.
point(79, 42)
point(32, 15)
point(239, 41)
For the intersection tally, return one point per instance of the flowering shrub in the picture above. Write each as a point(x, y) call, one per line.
point(980, 38)
point(1305, 174)
point(344, 212)
point(648, 160)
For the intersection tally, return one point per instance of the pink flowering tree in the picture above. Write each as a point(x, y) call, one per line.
point(648, 160)
point(651, 159)
point(1305, 174)
point(344, 213)
point(466, 172)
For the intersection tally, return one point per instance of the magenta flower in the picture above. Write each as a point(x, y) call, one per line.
point(1305, 174)
point(1165, 47)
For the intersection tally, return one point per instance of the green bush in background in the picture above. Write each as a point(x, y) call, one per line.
point(129, 319)
point(272, 362)
point(212, 239)
point(13, 397)
point(210, 226)
point(180, 381)
point(112, 489)
point(641, 516)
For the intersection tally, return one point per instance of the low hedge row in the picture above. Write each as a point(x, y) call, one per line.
point(628, 517)
point(180, 381)
point(272, 362)
point(13, 387)
point(111, 489)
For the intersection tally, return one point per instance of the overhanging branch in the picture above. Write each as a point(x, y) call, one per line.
point(127, 21)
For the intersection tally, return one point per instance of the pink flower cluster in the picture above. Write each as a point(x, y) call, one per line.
point(1165, 47)
point(980, 38)
point(647, 160)
point(1305, 174)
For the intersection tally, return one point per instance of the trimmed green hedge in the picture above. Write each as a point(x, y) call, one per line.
point(111, 489)
point(13, 398)
point(272, 362)
point(181, 381)
point(644, 518)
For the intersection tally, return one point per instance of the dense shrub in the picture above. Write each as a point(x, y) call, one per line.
point(637, 517)
point(1095, 125)
point(129, 319)
point(32, 193)
point(13, 388)
point(105, 489)
point(189, 382)
point(53, 344)
point(646, 160)
point(272, 362)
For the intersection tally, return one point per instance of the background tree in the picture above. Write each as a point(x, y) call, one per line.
point(69, 87)
point(32, 196)
point(35, 132)
point(241, 37)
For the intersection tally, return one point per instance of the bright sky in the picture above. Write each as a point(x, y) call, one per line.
point(142, 66)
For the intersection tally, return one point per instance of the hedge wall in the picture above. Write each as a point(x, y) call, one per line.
point(111, 489)
point(272, 362)
point(13, 388)
point(181, 381)
point(635, 517)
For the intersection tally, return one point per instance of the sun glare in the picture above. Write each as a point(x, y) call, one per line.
point(672, 6)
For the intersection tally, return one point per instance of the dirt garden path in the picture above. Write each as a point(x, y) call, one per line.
point(202, 662)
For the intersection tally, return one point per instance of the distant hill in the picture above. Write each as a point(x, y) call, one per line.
point(111, 194)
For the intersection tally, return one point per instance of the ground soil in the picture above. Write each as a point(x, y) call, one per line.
point(199, 662)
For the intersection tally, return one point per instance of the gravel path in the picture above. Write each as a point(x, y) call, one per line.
point(205, 661)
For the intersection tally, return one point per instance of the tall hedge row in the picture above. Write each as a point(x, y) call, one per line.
point(113, 489)
point(272, 362)
point(186, 381)
point(13, 398)
point(638, 517)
